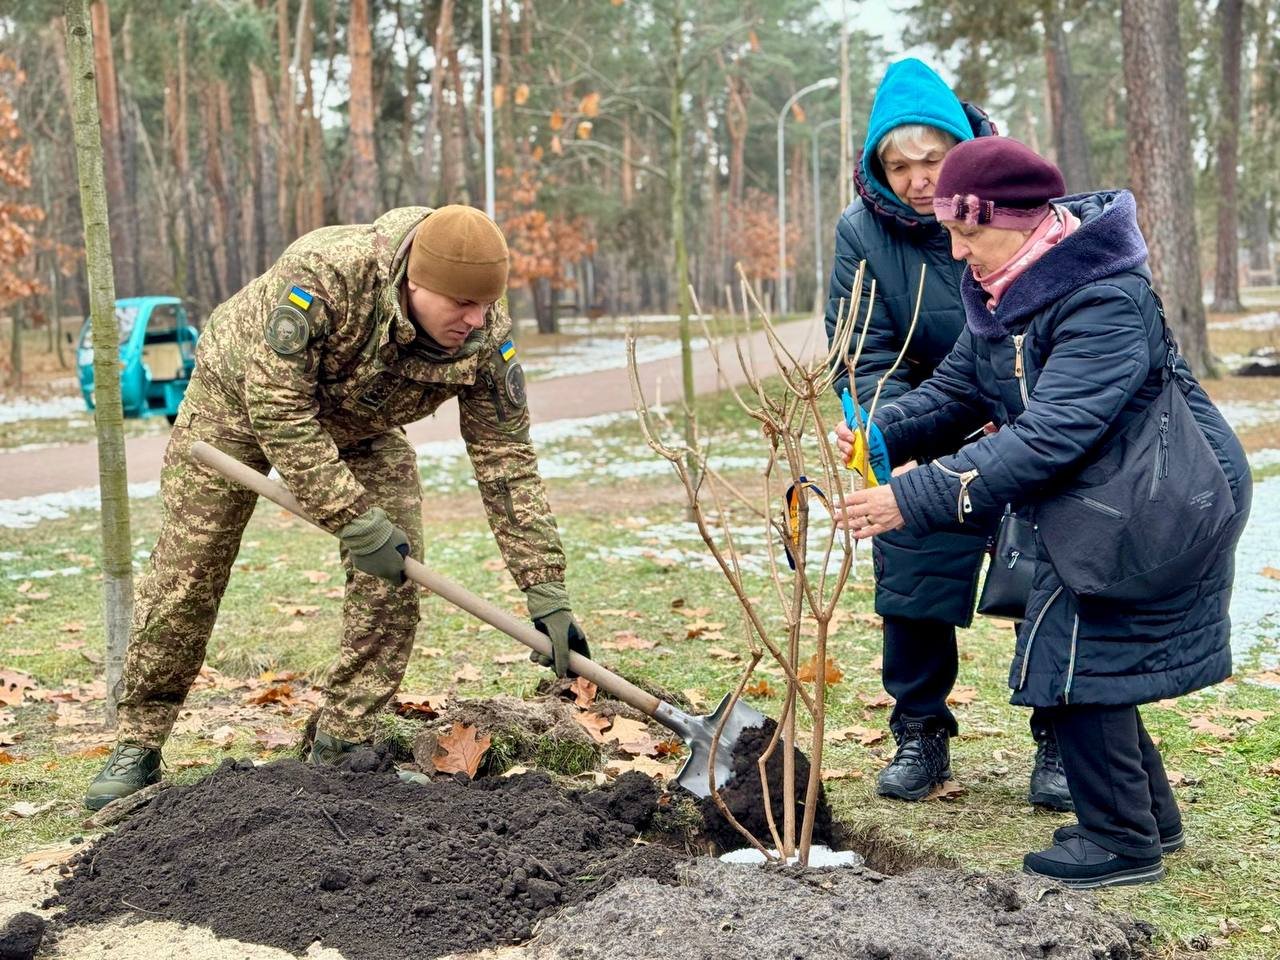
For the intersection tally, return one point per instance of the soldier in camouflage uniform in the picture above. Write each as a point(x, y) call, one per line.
point(312, 369)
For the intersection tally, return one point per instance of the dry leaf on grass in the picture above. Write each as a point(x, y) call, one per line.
point(1271, 572)
point(624, 730)
point(697, 697)
point(460, 750)
point(867, 736)
point(281, 693)
point(703, 628)
point(467, 673)
point(962, 696)
point(809, 672)
point(24, 809)
point(627, 614)
point(223, 736)
point(645, 765)
point(1272, 769)
point(760, 688)
point(73, 626)
point(25, 586)
point(720, 653)
point(673, 748)
point(273, 739)
point(584, 692)
point(506, 658)
point(92, 753)
point(6, 757)
point(841, 773)
point(950, 790)
point(877, 702)
point(627, 640)
point(593, 723)
point(1204, 725)
point(315, 576)
point(14, 685)
point(1249, 716)
point(37, 861)
point(692, 613)
point(1179, 779)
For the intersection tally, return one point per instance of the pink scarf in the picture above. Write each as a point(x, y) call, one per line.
point(1053, 229)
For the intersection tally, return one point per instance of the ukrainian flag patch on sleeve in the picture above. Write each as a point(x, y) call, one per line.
point(508, 350)
point(300, 298)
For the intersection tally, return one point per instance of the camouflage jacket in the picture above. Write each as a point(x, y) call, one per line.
point(319, 354)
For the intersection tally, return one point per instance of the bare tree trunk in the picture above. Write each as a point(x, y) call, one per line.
point(15, 345)
point(677, 186)
point(266, 204)
point(1226, 278)
point(1260, 166)
point(287, 108)
point(117, 550)
point(364, 165)
point(104, 69)
point(1160, 166)
point(442, 111)
point(1070, 142)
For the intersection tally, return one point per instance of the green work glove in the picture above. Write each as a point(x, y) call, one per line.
point(377, 546)
point(549, 610)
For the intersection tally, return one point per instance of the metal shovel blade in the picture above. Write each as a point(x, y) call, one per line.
point(698, 732)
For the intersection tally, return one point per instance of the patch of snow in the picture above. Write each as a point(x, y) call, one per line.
point(1255, 601)
point(1268, 457)
point(1242, 415)
point(606, 353)
point(1249, 321)
point(820, 855)
point(51, 408)
point(26, 512)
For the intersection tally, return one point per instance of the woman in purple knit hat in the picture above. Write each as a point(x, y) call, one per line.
point(1138, 488)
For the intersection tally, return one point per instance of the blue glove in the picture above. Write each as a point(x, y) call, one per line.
point(870, 456)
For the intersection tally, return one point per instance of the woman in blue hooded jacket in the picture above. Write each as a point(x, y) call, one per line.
point(925, 584)
point(1067, 351)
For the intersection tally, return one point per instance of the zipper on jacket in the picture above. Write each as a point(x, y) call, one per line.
point(1071, 664)
point(503, 488)
point(1162, 457)
point(963, 503)
point(496, 395)
point(1019, 371)
point(1096, 505)
point(1026, 654)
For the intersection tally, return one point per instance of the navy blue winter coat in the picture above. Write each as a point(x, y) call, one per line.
point(934, 576)
point(1073, 352)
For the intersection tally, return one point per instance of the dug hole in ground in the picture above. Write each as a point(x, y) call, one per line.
point(284, 859)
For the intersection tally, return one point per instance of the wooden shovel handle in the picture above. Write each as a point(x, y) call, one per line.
point(458, 595)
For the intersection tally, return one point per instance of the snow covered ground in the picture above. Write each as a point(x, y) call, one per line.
point(47, 408)
point(599, 353)
point(26, 512)
point(1255, 604)
point(1249, 321)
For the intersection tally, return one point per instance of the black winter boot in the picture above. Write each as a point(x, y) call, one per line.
point(922, 762)
point(1079, 862)
point(1048, 779)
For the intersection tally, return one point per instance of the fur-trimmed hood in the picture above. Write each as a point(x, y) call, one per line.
point(1106, 243)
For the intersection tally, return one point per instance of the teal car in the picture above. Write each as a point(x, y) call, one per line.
point(157, 354)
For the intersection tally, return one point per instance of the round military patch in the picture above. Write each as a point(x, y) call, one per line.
point(287, 331)
point(514, 383)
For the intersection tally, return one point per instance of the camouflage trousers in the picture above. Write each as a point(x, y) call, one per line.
point(177, 599)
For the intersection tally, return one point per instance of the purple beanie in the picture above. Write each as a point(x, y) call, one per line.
point(996, 182)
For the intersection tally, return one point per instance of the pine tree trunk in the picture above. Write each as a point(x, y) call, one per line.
point(363, 203)
point(1226, 278)
point(442, 113)
point(266, 222)
point(1160, 167)
point(118, 197)
point(1260, 166)
point(1070, 142)
point(287, 110)
point(117, 550)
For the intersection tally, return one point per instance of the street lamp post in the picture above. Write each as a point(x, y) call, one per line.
point(817, 214)
point(824, 84)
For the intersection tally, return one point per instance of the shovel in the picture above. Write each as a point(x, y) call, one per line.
point(697, 732)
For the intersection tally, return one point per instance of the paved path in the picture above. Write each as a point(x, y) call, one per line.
point(57, 469)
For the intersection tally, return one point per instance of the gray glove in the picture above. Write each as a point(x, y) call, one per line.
point(549, 610)
point(377, 546)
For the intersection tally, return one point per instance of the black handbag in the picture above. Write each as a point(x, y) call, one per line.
point(1145, 517)
point(1013, 564)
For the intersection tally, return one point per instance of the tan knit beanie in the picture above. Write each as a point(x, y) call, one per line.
point(459, 252)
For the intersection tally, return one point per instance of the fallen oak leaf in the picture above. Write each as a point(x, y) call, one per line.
point(281, 693)
point(720, 653)
point(594, 723)
point(645, 765)
point(624, 730)
point(950, 790)
point(14, 685)
point(809, 672)
point(90, 753)
point(273, 739)
point(1249, 716)
point(460, 750)
point(73, 626)
point(877, 702)
point(760, 688)
point(1207, 726)
point(841, 773)
point(467, 673)
point(7, 757)
point(223, 736)
point(696, 696)
point(37, 861)
point(962, 696)
point(627, 640)
point(584, 692)
point(25, 809)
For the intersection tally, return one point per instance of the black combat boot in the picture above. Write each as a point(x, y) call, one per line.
point(1079, 862)
point(129, 768)
point(1048, 779)
point(922, 762)
point(327, 750)
point(1172, 839)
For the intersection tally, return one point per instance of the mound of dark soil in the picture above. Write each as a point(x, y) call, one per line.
point(286, 854)
point(745, 798)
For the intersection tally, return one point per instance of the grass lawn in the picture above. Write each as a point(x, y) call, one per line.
point(636, 567)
